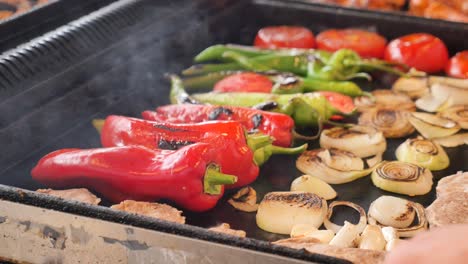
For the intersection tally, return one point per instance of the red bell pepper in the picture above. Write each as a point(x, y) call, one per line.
point(279, 126)
point(189, 176)
point(239, 154)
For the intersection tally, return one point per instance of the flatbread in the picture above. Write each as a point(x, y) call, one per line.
point(451, 205)
point(81, 195)
point(355, 255)
point(156, 210)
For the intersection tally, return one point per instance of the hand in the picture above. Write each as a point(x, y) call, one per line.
point(442, 245)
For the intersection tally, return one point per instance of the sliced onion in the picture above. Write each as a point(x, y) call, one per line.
point(432, 126)
point(412, 230)
point(429, 103)
point(453, 141)
point(362, 141)
point(372, 238)
point(245, 200)
point(391, 236)
point(402, 177)
point(393, 123)
point(307, 183)
point(332, 166)
point(414, 87)
point(392, 211)
point(336, 228)
point(384, 99)
point(423, 152)
point(461, 83)
point(457, 113)
point(280, 211)
point(346, 236)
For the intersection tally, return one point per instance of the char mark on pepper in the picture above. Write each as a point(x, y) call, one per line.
point(267, 106)
point(170, 129)
point(257, 120)
point(173, 144)
point(214, 115)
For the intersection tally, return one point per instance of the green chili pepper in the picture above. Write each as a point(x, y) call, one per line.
point(341, 65)
point(215, 52)
point(284, 83)
point(306, 109)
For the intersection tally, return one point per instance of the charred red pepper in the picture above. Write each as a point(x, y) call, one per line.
point(189, 176)
point(277, 125)
point(239, 154)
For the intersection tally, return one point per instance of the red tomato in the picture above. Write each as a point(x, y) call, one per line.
point(367, 44)
point(285, 37)
point(341, 102)
point(422, 51)
point(458, 65)
point(244, 82)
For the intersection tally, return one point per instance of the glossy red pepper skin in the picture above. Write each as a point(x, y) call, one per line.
point(227, 137)
point(134, 172)
point(277, 125)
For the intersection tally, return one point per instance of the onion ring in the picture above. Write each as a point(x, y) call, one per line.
point(334, 227)
point(412, 230)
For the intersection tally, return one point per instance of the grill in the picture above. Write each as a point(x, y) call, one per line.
point(113, 61)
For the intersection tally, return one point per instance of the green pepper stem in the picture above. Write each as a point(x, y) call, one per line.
point(379, 66)
point(213, 180)
point(345, 125)
point(258, 141)
point(98, 124)
point(208, 68)
point(288, 151)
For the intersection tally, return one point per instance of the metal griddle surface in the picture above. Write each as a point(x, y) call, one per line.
point(128, 87)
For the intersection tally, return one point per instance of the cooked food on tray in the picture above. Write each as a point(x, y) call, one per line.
point(453, 10)
point(81, 195)
point(240, 105)
point(9, 8)
point(156, 210)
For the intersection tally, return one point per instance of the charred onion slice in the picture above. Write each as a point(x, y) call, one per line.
point(332, 166)
point(362, 141)
point(392, 211)
point(393, 123)
point(457, 113)
point(334, 227)
point(414, 87)
point(307, 183)
point(423, 152)
point(383, 212)
point(453, 141)
point(402, 177)
point(245, 200)
point(384, 99)
point(432, 126)
point(280, 211)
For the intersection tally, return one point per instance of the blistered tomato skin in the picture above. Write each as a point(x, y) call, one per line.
point(422, 51)
point(285, 37)
point(458, 65)
point(367, 44)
